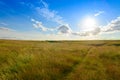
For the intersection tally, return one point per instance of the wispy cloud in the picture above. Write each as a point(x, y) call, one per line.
point(49, 14)
point(27, 4)
point(98, 13)
point(3, 24)
point(64, 29)
point(44, 3)
point(7, 33)
point(93, 32)
point(113, 26)
point(6, 29)
point(39, 25)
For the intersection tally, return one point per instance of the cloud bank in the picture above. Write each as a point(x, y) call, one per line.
point(65, 29)
point(7, 33)
point(113, 26)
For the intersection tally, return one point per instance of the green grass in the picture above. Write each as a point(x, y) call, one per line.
point(59, 60)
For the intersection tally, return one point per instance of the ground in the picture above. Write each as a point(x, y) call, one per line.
point(59, 60)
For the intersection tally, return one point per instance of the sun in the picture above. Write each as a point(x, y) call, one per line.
point(89, 24)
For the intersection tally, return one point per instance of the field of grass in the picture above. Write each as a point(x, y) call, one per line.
point(59, 60)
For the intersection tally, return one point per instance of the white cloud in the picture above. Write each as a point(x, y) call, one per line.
point(113, 26)
point(4, 24)
point(6, 29)
point(64, 29)
point(98, 13)
point(7, 33)
point(95, 31)
point(33, 20)
point(44, 3)
point(49, 14)
point(39, 25)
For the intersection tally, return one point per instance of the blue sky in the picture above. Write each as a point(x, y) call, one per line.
point(59, 19)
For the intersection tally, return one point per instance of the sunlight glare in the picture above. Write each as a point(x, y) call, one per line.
point(89, 24)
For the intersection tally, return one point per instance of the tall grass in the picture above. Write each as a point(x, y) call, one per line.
point(49, 60)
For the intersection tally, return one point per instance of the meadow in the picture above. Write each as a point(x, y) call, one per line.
point(59, 60)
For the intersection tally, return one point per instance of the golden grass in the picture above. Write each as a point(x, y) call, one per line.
point(59, 60)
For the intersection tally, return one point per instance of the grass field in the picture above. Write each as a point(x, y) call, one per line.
point(59, 60)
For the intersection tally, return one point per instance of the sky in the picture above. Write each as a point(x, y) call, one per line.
point(60, 19)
